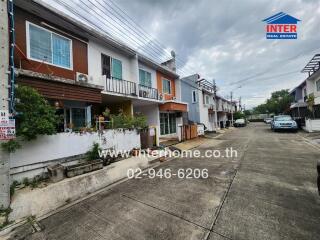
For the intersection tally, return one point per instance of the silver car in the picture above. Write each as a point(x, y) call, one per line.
point(283, 122)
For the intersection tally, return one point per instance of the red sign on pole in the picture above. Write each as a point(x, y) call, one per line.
point(7, 126)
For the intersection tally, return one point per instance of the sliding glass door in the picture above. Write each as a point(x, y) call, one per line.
point(168, 123)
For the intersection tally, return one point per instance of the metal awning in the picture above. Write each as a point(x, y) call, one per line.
point(299, 104)
point(206, 85)
point(313, 65)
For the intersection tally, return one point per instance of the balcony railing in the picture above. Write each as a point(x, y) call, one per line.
point(148, 92)
point(121, 86)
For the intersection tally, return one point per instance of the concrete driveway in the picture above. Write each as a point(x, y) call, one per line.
point(267, 192)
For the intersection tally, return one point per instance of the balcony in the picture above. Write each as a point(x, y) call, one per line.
point(148, 92)
point(120, 86)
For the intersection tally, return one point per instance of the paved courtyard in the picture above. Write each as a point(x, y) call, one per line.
point(268, 192)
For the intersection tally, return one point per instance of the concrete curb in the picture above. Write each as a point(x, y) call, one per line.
point(8, 230)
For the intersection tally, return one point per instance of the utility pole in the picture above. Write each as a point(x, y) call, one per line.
point(240, 104)
point(231, 110)
point(215, 105)
point(4, 100)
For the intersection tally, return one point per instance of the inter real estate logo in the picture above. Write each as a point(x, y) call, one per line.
point(281, 26)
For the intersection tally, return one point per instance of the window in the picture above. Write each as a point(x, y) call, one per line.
point(44, 45)
point(145, 78)
point(194, 96)
point(166, 86)
point(105, 64)
point(207, 99)
point(75, 117)
point(116, 68)
point(318, 85)
point(111, 67)
point(167, 123)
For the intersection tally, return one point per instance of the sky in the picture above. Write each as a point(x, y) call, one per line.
point(221, 40)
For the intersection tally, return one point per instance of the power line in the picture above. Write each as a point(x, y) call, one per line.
point(103, 23)
point(268, 69)
point(155, 41)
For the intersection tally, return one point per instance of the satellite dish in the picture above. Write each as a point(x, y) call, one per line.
point(173, 54)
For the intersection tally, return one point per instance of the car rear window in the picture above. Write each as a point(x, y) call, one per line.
point(283, 118)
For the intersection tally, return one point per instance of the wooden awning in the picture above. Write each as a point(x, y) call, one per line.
point(62, 91)
point(173, 106)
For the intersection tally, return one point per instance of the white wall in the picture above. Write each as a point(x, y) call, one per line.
point(95, 49)
point(312, 125)
point(152, 114)
point(204, 114)
point(153, 74)
point(35, 155)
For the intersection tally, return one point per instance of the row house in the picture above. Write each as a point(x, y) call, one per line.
point(81, 71)
point(205, 106)
point(306, 97)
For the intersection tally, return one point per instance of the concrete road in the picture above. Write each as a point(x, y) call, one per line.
point(268, 191)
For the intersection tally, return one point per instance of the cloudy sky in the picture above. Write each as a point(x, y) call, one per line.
point(224, 40)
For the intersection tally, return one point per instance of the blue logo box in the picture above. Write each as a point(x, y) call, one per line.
point(281, 36)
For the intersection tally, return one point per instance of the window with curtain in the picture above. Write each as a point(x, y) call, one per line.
point(49, 47)
point(116, 68)
point(145, 78)
point(166, 86)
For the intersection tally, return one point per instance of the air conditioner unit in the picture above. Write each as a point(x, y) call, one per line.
point(81, 77)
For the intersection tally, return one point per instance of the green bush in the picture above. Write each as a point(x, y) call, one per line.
point(10, 146)
point(34, 114)
point(126, 121)
point(93, 153)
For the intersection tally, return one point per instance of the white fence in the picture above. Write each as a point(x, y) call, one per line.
point(312, 125)
point(34, 156)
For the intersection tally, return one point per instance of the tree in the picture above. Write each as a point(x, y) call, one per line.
point(34, 114)
point(238, 115)
point(279, 102)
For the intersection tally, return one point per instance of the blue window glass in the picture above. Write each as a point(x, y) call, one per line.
point(49, 47)
point(116, 68)
point(144, 78)
point(61, 51)
point(40, 44)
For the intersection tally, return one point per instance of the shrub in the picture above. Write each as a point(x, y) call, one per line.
point(34, 114)
point(10, 146)
point(93, 153)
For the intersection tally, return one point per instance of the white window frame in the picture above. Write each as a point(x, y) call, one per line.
point(37, 60)
point(170, 90)
point(205, 100)
point(194, 93)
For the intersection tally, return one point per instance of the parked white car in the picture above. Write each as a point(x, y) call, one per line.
point(240, 123)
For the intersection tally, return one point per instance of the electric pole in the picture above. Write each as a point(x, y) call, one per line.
point(215, 105)
point(4, 101)
point(231, 110)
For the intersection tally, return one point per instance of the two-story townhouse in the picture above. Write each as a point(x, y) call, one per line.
point(225, 109)
point(199, 94)
point(298, 107)
point(313, 79)
point(82, 71)
point(51, 56)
